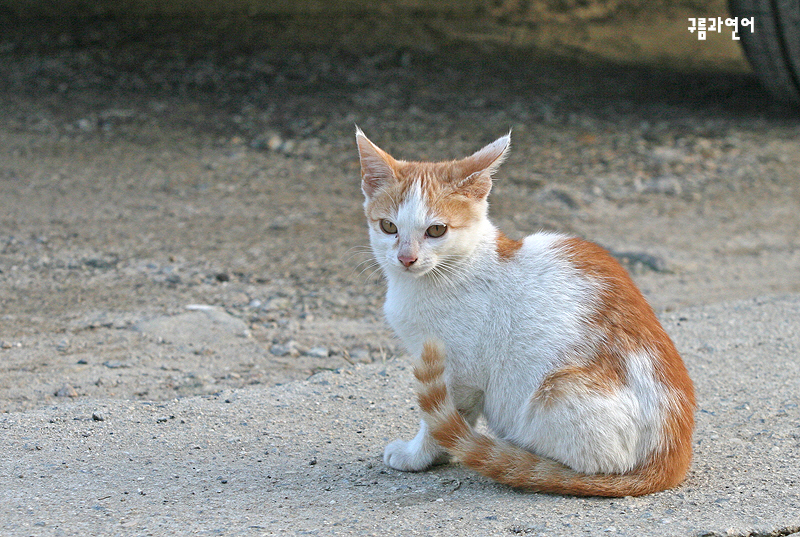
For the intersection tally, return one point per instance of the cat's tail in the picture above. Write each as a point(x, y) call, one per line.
point(512, 465)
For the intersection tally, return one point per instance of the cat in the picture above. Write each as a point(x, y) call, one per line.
point(548, 338)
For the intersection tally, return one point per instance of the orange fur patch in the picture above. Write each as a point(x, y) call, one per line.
point(438, 184)
point(430, 367)
point(604, 374)
point(626, 317)
point(629, 325)
point(432, 398)
point(457, 211)
point(507, 248)
point(452, 431)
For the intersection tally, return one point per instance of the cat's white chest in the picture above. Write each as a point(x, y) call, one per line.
point(417, 315)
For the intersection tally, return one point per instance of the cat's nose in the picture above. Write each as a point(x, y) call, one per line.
point(407, 260)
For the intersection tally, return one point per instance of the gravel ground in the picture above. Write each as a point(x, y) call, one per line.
point(304, 458)
point(180, 212)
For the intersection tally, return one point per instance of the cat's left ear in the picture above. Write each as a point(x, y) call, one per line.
point(376, 165)
point(479, 167)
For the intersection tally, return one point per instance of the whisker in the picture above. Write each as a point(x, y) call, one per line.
point(368, 261)
point(360, 252)
point(368, 264)
point(369, 267)
point(378, 270)
point(446, 273)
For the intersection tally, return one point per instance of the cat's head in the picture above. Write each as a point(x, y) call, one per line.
point(426, 215)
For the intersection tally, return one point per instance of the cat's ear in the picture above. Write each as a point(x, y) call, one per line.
point(376, 165)
point(479, 167)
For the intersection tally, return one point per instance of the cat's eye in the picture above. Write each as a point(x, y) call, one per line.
point(436, 230)
point(388, 227)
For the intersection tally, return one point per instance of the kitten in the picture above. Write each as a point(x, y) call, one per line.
point(547, 338)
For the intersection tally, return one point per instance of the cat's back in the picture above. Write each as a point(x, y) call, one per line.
point(543, 267)
point(572, 284)
point(570, 267)
point(588, 284)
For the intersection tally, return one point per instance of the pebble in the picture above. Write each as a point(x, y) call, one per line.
point(280, 350)
point(360, 355)
point(666, 184)
point(273, 142)
point(317, 352)
point(116, 364)
point(637, 261)
point(66, 391)
point(277, 303)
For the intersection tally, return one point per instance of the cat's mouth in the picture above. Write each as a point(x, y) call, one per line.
point(415, 270)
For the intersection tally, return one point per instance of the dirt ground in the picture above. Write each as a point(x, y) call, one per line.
point(180, 209)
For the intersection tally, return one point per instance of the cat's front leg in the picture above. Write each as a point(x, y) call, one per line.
point(415, 455)
point(423, 452)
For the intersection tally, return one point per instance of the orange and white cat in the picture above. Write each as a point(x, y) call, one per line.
point(547, 338)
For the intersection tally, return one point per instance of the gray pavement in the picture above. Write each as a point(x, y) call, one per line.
point(304, 458)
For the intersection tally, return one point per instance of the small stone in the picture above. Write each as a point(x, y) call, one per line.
point(280, 350)
point(640, 261)
point(360, 355)
point(85, 124)
point(116, 364)
point(96, 416)
point(274, 143)
point(287, 147)
point(277, 303)
point(317, 352)
point(200, 307)
point(66, 391)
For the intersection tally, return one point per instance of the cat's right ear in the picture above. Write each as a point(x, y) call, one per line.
point(376, 165)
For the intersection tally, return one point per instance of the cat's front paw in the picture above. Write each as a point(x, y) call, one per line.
point(400, 455)
point(412, 456)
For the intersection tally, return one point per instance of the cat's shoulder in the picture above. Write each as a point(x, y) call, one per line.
point(563, 245)
point(544, 241)
point(562, 248)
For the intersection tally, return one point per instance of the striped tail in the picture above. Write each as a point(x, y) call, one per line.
point(514, 466)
